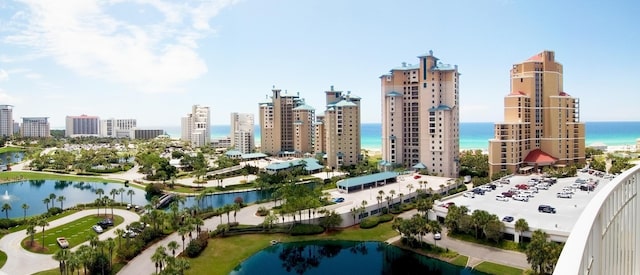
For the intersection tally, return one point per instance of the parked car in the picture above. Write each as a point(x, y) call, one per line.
point(587, 187)
point(469, 195)
point(437, 236)
point(130, 234)
point(338, 200)
point(507, 219)
point(546, 209)
point(567, 190)
point(62, 242)
point(105, 223)
point(564, 195)
point(478, 191)
point(98, 229)
point(501, 198)
point(508, 194)
point(520, 198)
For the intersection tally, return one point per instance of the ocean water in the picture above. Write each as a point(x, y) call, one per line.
point(473, 135)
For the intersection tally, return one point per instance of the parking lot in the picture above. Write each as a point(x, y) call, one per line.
point(557, 225)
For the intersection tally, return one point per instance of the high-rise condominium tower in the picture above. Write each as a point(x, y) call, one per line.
point(195, 126)
point(242, 132)
point(284, 126)
point(6, 120)
point(116, 128)
point(83, 125)
point(35, 127)
point(420, 116)
point(541, 121)
point(337, 133)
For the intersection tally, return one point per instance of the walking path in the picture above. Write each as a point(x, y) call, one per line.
point(21, 261)
point(477, 253)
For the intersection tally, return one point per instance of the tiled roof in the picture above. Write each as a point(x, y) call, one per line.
point(539, 157)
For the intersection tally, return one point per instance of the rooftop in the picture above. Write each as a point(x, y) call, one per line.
point(357, 181)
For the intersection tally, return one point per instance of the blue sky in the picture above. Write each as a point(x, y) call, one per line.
point(152, 59)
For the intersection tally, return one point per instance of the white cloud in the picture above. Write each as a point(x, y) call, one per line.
point(83, 36)
point(3, 75)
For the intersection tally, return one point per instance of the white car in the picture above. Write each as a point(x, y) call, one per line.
point(564, 195)
point(98, 229)
point(501, 198)
point(469, 195)
point(567, 190)
point(521, 198)
point(437, 236)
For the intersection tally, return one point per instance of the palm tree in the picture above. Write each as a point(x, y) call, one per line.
point(52, 199)
point(43, 222)
point(31, 230)
point(392, 193)
point(111, 245)
point(62, 256)
point(6, 208)
point(158, 257)
point(61, 199)
point(173, 245)
point(46, 202)
point(99, 192)
point(434, 227)
point(113, 193)
point(74, 262)
point(379, 198)
point(25, 207)
point(410, 187)
point(121, 192)
point(130, 192)
point(182, 231)
point(521, 226)
point(400, 196)
point(119, 233)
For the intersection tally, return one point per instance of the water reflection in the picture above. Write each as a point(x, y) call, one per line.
point(343, 257)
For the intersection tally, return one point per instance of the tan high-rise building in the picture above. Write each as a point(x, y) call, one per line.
point(420, 116)
point(279, 122)
point(340, 128)
point(541, 121)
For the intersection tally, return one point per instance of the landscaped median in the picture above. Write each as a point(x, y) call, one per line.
point(75, 232)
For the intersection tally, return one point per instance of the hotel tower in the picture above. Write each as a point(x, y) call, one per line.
point(420, 116)
point(541, 125)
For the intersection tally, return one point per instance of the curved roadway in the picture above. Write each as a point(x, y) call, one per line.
point(21, 261)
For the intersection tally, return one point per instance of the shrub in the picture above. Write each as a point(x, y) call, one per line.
point(7, 223)
point(153, 189)
point(54, 211)
point(385, 218)
point(262, 211)
point(306, 229)
point(196, 245)
point(369, 222)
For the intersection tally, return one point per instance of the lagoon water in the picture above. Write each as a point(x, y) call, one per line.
point(343, 257)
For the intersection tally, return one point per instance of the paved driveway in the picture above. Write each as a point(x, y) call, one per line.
point(21, 261)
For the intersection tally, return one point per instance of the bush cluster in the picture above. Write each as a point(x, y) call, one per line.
point(385, 218)
point(369, 222)
point(7, 223)
point(306, 229)
point(196, 245)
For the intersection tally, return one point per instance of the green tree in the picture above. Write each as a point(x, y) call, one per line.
point(62, 256)
point(6, 208)
point(331, 220)
point(173, 245)
point(61, 200)
point(434, 227)
point(31, 230)
point(46, 203)
point(536, 251)
point(130, 192)
point(25, 207)
point(43, 223)
point(521, 226)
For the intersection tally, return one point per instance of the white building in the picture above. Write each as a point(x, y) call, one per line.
point(6, 120)
point(196, 126)
point(242, 138)
point(116, 128)
point(35, 127)
point(84, 125)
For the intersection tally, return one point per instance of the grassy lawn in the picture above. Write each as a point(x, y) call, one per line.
point(3, 258)
point(460, 260)
point(76, 232)
point(16, 176)
point(11, 149)
point(224, 254)
point(492, 268)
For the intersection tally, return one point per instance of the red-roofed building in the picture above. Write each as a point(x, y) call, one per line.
point(541, 125)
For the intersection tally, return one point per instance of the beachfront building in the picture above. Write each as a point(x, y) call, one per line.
point(6, 120)
point(341, 126)
point(279, 120)
point(420, 116)
point(36, 127)
point(82, 126)
point(541, 121)
point(242, 138)
point(117, 128)
point(135, 133)
point(195, 126)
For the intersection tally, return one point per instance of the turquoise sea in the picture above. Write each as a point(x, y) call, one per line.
point(474, 135)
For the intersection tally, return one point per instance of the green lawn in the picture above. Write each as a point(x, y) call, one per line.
point(76, 232)
point(460, 260)
point(3, 258)
point(16, 176)
point(224, 254)
point(11, 149)
point(492, 268)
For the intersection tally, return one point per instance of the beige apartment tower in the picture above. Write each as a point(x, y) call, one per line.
point(420, 116)
point(339, 130)
point(279, 123)
point(541, 125)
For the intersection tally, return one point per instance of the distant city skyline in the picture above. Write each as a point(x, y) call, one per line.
point(153, 60)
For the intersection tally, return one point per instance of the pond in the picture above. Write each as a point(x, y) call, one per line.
point(343, 257)
point(219, 200)
point(33, 192)
point(13, 157)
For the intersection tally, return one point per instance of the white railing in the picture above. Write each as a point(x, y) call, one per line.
point(606, 237)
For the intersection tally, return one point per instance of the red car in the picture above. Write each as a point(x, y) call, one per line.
point(507, 194)
point(522, 186)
